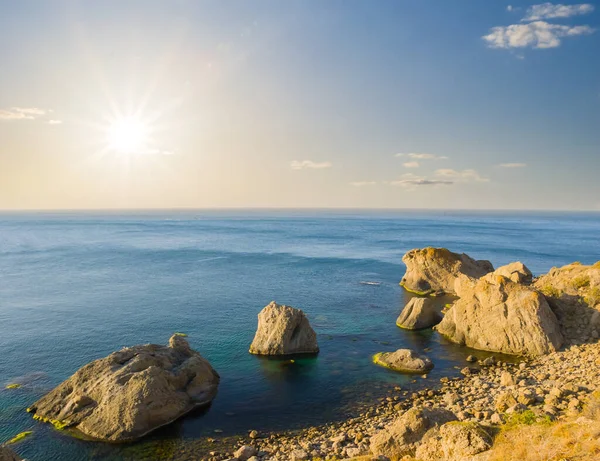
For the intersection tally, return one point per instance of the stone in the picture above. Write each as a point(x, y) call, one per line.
point(253, 434)
point(283, 330)
point(471, 358)
point(496, 314)
point(504, 401)
point(506, 379)
point(245, 452)
point(299, 455)
point(404, 360)
point(453, 441)
point(517, 272)
point(401, 437)
point(6, 454)
point(131, 392)
point(418, 314)
point(434, 270)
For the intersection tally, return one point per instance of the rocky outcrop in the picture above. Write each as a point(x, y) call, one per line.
point(419, 313)
point(453, 441)
point(7, 454)
point(131, 392)
point(283, 330)
point(402, 437)
point(496, 314)
point(434, 270)
point(404, 360)
point(573, 292)
point(517, 272)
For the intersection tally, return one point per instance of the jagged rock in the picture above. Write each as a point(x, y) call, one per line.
point(6, 454)
point(504, 401)
point(419, 313)
point(404, 360)
point(573, 292)
point(496, 314)
point(245, 452)
point(283, 330)
point(453, 441)
point(434, 270)
point(131, 392)
point(401, 437)
point(517, 272)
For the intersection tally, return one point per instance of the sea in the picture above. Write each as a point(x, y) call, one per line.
point(76, 286)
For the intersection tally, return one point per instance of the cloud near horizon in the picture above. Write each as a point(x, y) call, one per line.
point(552, 11)
point(410, 164)
point(462, 176)
point(421, 156)
point(309, 164)
point(363, 183)
point(538, 34)
point(512, 165)
point(54, 122)
point(21, 113)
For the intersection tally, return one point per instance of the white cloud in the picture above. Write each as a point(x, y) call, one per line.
point(509, 8)
point(54, 122)
point(538, 34)
point(422, 156)
point(550, 11)
point(411, 183)
point(512, 165)
point(462, 176)
point(21, 113)
point(411, 165)
point(304, 164)
point(363, 183)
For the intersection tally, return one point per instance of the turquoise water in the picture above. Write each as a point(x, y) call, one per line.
point(75, 287)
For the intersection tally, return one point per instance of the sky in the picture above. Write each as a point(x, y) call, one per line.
point(445, 104)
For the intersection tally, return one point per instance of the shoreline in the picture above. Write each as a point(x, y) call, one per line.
point(550, 387)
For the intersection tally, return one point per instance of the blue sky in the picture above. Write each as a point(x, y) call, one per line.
point(301, 104)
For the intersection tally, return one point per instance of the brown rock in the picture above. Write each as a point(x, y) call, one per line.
point(419, 313)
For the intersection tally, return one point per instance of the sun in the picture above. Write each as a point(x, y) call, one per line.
point(127, 135)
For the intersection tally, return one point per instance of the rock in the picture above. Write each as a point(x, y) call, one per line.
point(253, 434)
point(573, 292)
point(401, 437)
point(499, 315)
point(517, 272)
point(299, 455)
point(506, 379)
point(404, 360)
point(7, 454)
point(245, 452)
point(504, 401)
point(471, 358)
point(453, 441)
point(131, 392)
point(283, 330)
point(434, 270)
point(419, 313)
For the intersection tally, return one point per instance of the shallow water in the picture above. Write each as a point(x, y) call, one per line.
point(75, 287)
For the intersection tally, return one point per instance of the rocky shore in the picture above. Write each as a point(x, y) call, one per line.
point(551, 387)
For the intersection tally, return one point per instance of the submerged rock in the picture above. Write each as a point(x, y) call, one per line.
point(402, 437)
point(404, 360)
point(419, 313)
point(496, 314)
point(7, 454)
point(131, 392)
point(434, 270)
point(517, 272)
point(283, 330)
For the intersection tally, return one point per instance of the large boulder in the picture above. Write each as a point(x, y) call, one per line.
point(401, 437)
point(434, 270)
point(496, 314)
point(453, 441)
point(419, 313)
point(131, 392)
point(517, 272)
point(7, 454)
point(404, 360)
point(283, 330)
point(573, 292)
